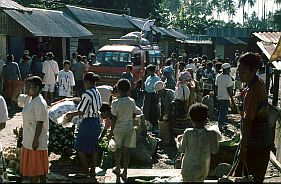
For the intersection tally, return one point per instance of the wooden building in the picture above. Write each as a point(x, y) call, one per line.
point(102, 25)
point(37, 30)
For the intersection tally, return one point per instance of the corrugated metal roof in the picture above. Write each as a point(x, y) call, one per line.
point(198, 39)
point(272, 37)
point(95, 17)
point(50, 23)
point(235, 41)
point(267, 48)
point(8, 4)
point(228, 41)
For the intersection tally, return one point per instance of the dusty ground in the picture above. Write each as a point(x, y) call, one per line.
point(164, 158)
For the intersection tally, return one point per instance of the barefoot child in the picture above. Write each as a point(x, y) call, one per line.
point(197, 144)
point(124, 111)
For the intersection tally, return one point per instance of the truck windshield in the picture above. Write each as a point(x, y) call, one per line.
point(109, 58)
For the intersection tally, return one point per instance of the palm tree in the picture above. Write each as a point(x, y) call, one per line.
point(229, 6)
point(242, 4)
point(216, 4)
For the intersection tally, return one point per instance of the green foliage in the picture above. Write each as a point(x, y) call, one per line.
point(194, 17)
point(275, 20)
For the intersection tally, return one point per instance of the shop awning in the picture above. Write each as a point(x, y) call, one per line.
point(48, 23)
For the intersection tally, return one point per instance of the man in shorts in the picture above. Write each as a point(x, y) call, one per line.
point(50, 70)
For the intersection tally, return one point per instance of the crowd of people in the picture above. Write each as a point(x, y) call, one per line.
point(184, 94)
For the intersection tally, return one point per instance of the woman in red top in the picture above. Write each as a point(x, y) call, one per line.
point(257, 137)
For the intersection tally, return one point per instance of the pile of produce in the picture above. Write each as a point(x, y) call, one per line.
point(106, 157)
point(12, 158)
point(61, 140)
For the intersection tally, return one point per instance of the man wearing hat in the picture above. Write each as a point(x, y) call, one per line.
point(166, 98)
point(50, 70)
point(224, 87)
point(168, 79)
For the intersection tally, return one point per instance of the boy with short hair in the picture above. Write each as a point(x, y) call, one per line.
point(198, 144)
point(128, 73)
point(66, 81)
point(123, 112)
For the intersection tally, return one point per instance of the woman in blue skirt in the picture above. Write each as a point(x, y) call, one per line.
point(89, 129)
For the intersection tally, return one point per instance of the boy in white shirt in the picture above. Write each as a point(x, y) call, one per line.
point(66, 81)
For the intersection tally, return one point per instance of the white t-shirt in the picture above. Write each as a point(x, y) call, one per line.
point(182, 92)
point(66, 81)
point(123, 108)
point(147, 26)
point(192, 66)
point(34, 110)
point(50, 69)
point(105, 92)
point(223, 81)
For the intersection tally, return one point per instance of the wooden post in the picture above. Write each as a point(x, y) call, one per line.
point(276, 87)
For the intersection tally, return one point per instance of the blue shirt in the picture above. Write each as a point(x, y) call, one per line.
point(150, 82)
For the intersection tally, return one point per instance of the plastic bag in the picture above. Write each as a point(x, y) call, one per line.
point(112, 145)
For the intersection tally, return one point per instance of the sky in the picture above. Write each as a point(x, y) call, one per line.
point(270, 6)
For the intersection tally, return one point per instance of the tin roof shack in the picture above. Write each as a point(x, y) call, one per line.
point(265, 44)
point(39, 31)
point(103, 25)
point(228, 40)
point(198, 44)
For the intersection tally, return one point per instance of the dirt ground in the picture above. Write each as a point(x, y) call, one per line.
point(164, 158)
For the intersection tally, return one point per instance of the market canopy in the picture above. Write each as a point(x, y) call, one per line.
point(48, 23)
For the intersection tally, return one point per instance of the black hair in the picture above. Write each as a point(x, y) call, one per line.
point(79, 57)
point(174, 54)
point(190, 60)
point(198, 112)
point(182, 64)
point(151, 68)
point(130, 67)
point(204, 57)
point(251, 60)
point(35, 80)
point(124, 85)
point(210, 64)
point(168, 62)
point(66, 62)
point(90, 76)
point(105, 107)
point(74, 54)
point(50, 55)
point(10, 57)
